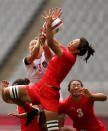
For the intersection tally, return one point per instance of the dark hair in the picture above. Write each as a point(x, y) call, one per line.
point(72, 81)
point(84, 48)
point(20, 81)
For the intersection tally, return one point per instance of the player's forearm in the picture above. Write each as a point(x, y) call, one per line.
point(22, 115)
point(52, 43)
point(49, 35)
point(34, 53)
point(35, 50)
point(48, 53)
point(98, 97)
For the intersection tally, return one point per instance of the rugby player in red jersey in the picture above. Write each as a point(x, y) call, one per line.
point(34, 126)
point(46, 92)
point(79, 106)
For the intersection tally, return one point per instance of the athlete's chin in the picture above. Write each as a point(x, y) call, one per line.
point(76, 94)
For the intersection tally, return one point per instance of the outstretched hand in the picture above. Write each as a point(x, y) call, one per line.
point(86, 92)
point(56, 13)
point(14, 114)
point(4, 83)
point(17, 115)
point(52, 15)
point(48, 17)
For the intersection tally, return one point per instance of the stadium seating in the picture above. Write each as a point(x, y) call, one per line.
point(15, 17)
point(81, 18)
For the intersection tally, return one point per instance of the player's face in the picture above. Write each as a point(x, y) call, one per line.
point(31, 48)
point(75, 88)
point(72, 46)
point(32, 45)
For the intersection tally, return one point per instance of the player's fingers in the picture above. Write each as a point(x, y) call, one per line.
point(53, 12)
point(56, 9)
point(45, 13)
point(82, 89)
point(60, 10)
point(50, 14)
point(43, 17)
point(60, 14)
point(11, 114)
point(4, 82)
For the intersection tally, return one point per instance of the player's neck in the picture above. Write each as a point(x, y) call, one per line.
point(76, 98)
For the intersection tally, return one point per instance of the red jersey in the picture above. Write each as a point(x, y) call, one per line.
point(58, 68)
point(34, 126)
point(82, 114)
point(56, 71)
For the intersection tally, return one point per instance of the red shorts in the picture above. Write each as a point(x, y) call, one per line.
point(42, 94)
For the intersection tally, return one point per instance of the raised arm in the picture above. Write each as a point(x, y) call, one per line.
point(52, 43)
point(34, 51)
point(99, 97)
point(42, 38)
point(96, 96)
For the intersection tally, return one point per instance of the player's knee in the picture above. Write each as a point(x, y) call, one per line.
point(52, 125)
point(11, 92)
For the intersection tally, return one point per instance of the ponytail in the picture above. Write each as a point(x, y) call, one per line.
point(84, 48)
point(90, 52)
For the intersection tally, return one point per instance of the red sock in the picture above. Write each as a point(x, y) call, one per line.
point(27, 107)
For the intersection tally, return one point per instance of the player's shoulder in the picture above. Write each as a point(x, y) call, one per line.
point(66, 100)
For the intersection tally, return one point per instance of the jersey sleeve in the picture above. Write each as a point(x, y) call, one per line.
point(20, 110)
point(26, 64)
point(25, 61)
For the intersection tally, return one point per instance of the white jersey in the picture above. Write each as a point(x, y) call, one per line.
point(36, 69)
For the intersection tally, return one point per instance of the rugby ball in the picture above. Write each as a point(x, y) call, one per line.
point(56, 25)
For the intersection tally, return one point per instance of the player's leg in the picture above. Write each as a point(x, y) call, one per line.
point(17, 92)
point(50, 103)
point(61, 120)
point(52, 120)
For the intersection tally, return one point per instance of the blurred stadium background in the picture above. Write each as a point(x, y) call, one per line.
point(20, 22)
